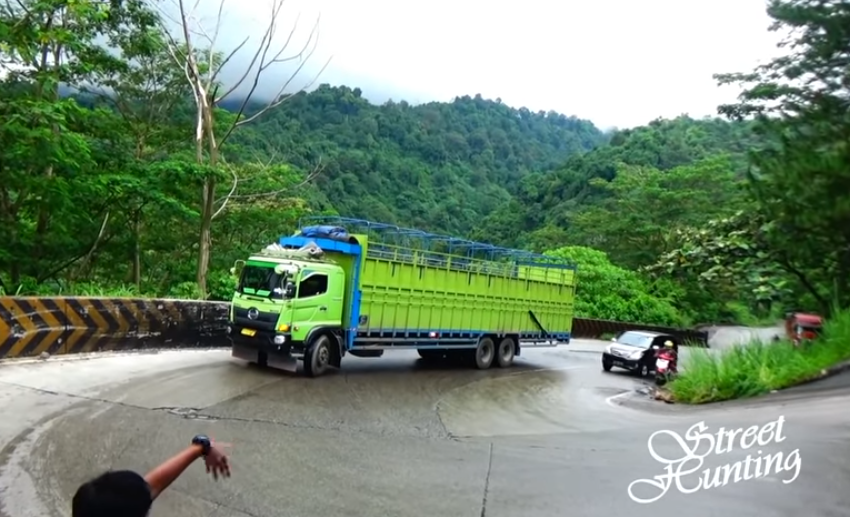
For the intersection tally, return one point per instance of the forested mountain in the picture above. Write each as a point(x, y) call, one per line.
point(440, 166)
point(544, 203)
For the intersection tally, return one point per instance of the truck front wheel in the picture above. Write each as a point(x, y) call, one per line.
point(485, 353)
point(318, 357)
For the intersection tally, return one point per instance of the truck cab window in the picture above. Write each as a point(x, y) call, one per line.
point(313, 285)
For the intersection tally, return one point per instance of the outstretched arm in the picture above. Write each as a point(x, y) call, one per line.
point(162, 476)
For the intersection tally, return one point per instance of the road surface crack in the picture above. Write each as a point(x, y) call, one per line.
point(216, 504)
point(487, 482)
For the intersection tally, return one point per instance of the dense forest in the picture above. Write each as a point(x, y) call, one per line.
point(127, 168)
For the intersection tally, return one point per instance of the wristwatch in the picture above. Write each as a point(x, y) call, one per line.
point(204, 442)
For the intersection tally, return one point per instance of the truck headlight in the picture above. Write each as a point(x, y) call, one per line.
point(279, 340)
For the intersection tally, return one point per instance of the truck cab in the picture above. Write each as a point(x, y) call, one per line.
point(280, 300)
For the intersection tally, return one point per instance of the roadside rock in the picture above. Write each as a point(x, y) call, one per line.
point(663, 395)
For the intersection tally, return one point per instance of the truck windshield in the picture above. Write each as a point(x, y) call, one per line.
point(262, 281)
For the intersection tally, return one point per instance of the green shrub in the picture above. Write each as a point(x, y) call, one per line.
point(756, 368)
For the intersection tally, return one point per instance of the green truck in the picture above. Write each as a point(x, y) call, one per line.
point(347, 286)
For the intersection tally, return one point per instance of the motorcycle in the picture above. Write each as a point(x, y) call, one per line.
point(665, 366)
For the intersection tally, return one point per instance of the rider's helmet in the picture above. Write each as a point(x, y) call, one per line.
point(668, 344)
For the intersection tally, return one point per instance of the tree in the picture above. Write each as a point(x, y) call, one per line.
point(47, 143)
point(726, 260)
point(552, 197)
point(151, 97)
point(644, 206)
point(800, 180)
point(203, 67)
point(607, 291)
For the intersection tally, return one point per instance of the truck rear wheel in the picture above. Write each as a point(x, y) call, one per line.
point(485, 353)
point(318, 357)
point(505, 353)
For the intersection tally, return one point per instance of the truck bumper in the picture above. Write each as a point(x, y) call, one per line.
point(263, 341)
point(254, 355)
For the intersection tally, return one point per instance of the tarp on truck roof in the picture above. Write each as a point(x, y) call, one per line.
point(336, 233)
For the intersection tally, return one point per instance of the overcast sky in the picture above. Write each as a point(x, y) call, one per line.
point(616, 62)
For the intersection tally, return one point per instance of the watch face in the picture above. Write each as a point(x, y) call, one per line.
point(202, 440)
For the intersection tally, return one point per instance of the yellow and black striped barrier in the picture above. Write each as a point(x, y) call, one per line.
point(30, 326)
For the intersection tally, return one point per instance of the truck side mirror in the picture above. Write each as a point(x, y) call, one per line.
point(289, 290)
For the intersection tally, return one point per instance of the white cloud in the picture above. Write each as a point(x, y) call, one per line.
point(616, 62)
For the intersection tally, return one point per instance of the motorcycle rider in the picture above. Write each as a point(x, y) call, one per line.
point(670, 353)
point(670, 347)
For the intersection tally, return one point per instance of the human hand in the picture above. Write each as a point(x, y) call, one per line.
point(217, 462)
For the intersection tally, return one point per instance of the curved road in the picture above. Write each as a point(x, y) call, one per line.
point(550, 437)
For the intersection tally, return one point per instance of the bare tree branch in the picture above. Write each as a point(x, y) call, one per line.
point(232, 195)
point(229, 194)
point(262, 50)
point(316, 171)
point(280, 97)
point(204, 90)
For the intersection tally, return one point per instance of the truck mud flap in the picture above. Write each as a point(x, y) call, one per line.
point(252, 355)
point(282, 362)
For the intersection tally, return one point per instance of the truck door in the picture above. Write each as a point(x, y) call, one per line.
point(318, 301)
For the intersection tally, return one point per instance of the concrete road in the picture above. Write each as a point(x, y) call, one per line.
point(552, 436)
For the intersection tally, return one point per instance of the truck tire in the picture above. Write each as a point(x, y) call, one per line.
point(318, 356)
point(505, 353)
point(485, 352)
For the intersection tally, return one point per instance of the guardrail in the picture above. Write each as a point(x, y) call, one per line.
point(595, 329)
point(30, 326)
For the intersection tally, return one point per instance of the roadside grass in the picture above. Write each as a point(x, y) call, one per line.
point(757, 368)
